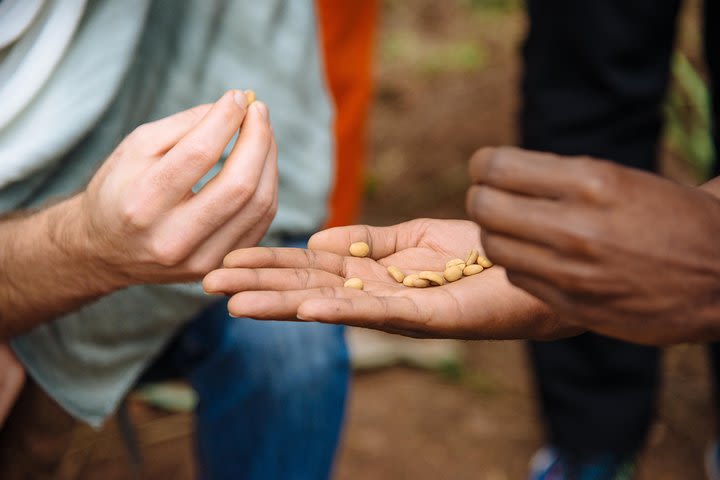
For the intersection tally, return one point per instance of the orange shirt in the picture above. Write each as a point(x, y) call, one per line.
point(347, 34)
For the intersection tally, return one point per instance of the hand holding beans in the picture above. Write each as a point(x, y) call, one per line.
point(271, 283)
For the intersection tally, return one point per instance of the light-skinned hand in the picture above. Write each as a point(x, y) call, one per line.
point(139, 217)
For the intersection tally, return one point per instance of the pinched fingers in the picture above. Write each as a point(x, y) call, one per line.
point(198, 150)
point(248, 224)
point(240, 179)
point(248, 230)
point(210, 223)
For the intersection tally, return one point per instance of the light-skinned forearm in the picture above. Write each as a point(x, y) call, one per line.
point(46, 268)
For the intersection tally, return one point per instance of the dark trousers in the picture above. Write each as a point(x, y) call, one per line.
point(596, 72)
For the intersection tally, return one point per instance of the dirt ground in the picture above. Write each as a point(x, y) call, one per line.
point(479, 422)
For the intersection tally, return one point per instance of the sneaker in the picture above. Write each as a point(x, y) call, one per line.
point(712, 461)
point(549, 463)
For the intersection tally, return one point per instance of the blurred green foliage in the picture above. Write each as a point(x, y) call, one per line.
point(502, 5)
point(431, 57)
point(687, 113)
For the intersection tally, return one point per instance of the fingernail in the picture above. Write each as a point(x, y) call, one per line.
point(262, 109)
point(240, 98)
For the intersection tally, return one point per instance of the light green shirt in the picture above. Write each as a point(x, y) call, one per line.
point(188, 52)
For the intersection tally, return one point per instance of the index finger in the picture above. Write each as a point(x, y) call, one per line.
point(200, 148)
point(532, 173)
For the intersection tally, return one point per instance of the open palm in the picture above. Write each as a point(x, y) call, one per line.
point(281, 283)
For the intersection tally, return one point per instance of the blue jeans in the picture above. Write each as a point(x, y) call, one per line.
point(271, 394)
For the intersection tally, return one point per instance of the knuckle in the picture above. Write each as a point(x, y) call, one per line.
point(600, 182)
point(583, 240)
point(241, 192)
point(210, 214)
point(564, 281)
point(122, 148)
point(139, 134)
point(167, 253)
point(265, 199)
point(199, 153)
point(134, 217)
point(585, 279)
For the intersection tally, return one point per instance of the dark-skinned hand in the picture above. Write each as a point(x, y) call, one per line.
point(612, 249)
point(285, 283)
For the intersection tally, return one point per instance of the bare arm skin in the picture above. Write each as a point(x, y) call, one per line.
point(139, 221)
point(44, 269)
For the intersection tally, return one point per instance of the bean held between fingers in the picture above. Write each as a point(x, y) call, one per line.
point(250, 96)
point(359, 249)
point(355, 283)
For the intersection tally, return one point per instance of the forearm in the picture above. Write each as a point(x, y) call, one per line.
point(46, 268)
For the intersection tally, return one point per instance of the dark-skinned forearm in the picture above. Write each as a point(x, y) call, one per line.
point(45, 268)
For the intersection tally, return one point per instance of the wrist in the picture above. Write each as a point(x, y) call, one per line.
point(74, 240)
point(48, 267)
